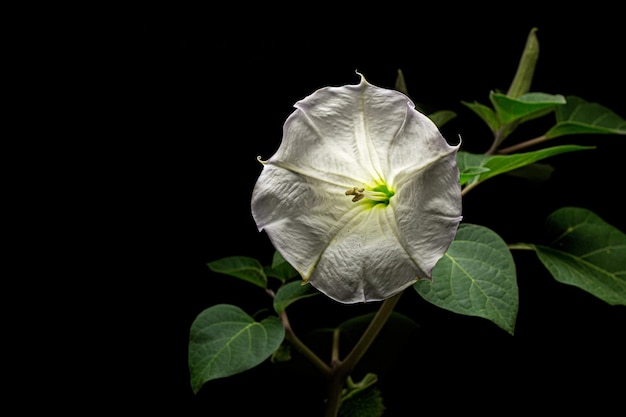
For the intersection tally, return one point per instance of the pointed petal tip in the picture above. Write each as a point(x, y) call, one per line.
point(363, 80)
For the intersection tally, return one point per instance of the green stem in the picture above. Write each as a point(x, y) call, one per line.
point(371, 332)
point(523, 145)
point(520, 246)
point(497, 140)
point(468, 188)
point(340, 370)
point(302, 348)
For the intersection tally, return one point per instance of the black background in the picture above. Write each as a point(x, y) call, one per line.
point(208, 90)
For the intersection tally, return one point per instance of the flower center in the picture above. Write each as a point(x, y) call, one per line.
point(376, 195)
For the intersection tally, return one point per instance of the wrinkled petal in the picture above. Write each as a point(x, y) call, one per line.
point(428, 211)
point(299, 213)
point(359, 136)
point(365, 262)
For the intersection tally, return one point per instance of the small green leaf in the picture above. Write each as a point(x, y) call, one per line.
point(400, 83)
point(586, 252)
point(361, 399)
point(526, 67)
point(280, 269)
point(225, 341)
point(526, 107)
point(499, 164)
point(476, 277)
point(470, 172)
point(242, 267)
point(579, 116)
point(485, 113)
point(291, 292)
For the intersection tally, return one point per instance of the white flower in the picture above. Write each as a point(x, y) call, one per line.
point(362, 197)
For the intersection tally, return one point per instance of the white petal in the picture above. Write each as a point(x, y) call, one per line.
point(417, 144)
point(365, 261)
point(428, 210)
point(299, 213)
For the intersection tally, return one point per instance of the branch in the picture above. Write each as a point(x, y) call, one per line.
point(302, 348)
point(523, 145)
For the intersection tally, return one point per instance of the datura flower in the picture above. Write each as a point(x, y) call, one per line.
point(362, 197)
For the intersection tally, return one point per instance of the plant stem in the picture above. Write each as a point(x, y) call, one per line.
point(522, 145)
point(371, 332)
point(302, 348)
point(468, 188)
point(499, 137)
point(520, 246)
point(340, 370)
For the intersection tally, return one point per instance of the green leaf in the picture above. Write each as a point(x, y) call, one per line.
point(361, 399)
point(476, 277)
point(485, 113)
point(526, 107)
point(536, 172)
point(470, 172)
point(242, 267)
point(579, 116)
point(586, 252)
point(280, 269)
point(499, 164)
point(526, 67)
point(400, 83)
point(291, 292)
point(225, 341)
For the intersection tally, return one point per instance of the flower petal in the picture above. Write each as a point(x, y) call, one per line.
point(427, 208)
point(300, 214)
point(365, 261)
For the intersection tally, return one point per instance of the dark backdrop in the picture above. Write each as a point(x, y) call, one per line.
point(210, 90)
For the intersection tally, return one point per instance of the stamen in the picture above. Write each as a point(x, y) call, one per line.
point(375, 195)
point(355, 191)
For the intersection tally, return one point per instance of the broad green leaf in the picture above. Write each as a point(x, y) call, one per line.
point(476, 277)
point(526, 107)
point(471, 165)
point(467, 160)
point(485, 113)
point(242, 267)
point(280, 269)
point(537, 172)
point(579, 116)
point(291, 292)
point(586, 252)
point(225, 341)
point(499, 164)
point(441, 117)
